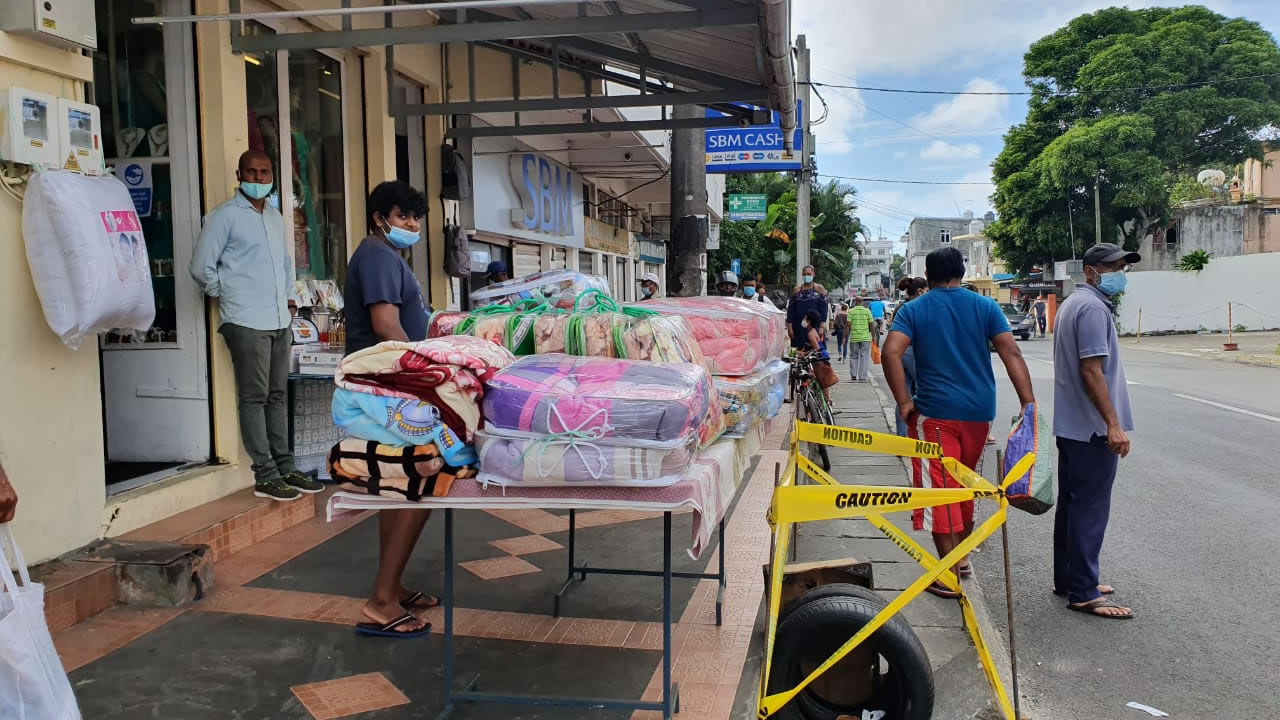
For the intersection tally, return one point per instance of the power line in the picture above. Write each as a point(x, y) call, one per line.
point(909, 137)
point(1056, 93)
point(901, 182)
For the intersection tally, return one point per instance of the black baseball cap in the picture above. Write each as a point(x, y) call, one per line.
point(1104, 253)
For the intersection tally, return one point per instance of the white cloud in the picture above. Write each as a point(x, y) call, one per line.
point(908, 38)
point(938, 150)
point(966, 112)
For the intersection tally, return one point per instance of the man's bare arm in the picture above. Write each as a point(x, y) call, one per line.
point(1095, 388)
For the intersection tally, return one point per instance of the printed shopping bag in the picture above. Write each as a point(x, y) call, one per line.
point(33, 685)
point(1033, 492)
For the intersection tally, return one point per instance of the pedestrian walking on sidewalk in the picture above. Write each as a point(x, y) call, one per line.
point(861, 328)
point(840, 328)
point(1040, 307)
point(242, 260)
point(950, 329)
point(913, 287)
point(1091, 419)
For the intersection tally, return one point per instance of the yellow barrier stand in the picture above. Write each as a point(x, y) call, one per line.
point(830, 500)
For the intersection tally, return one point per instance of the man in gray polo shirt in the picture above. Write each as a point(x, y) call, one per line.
point(1090, 419)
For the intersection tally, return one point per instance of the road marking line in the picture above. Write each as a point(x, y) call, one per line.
point(1046, 362)
point(1130, 382)
point(1272, 418)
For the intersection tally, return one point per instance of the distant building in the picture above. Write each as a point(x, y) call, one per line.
point(1246, 222)
point(926, 234)
point(871, 269)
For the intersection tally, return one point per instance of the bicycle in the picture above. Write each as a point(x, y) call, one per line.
point(812, 406)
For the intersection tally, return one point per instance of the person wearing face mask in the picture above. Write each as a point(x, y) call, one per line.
point(383, 300)
point(648, 286)
point(1091, 421)
point(807, 296)
point(751, 291)
point(242, 260)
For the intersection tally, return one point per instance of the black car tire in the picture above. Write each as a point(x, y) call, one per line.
point(816, 628)
point(832, 590)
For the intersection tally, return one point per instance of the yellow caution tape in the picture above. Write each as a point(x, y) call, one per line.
point(830, 500)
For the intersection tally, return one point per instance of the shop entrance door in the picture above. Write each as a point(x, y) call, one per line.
point(155, 386)
point(411, 166)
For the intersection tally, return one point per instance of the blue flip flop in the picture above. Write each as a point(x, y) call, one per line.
point(389, 629)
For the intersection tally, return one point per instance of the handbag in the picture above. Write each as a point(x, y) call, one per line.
point(824, 373)
point(33, 685)
point(875, 352)
point(1033, 492)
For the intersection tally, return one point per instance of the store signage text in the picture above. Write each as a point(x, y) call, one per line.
point(546, 193)
point(607, 238)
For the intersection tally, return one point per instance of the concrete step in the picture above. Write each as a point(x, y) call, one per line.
point(86, 582)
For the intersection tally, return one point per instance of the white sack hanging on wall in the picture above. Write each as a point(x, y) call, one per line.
point(87, 255)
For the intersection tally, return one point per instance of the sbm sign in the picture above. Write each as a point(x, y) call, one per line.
point(546, 195)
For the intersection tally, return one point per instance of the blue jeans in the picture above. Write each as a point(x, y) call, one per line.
point(1086, 473)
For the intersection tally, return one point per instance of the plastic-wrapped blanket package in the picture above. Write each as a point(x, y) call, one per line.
point(558, 286)
point(399, 472)
point(737, 337)
point(443, 323)
point(510, 457)
point(447, 372)
point(616, 335)
point(597, 398)
point(749, 399)
point(87, 255)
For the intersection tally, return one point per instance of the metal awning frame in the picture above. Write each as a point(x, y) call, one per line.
point(558, 38)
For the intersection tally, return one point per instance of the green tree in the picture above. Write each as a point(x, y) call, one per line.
point(1129, 142)
point(770, 256)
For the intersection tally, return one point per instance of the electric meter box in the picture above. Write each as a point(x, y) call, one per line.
point(70, 24)
point(80, 136)
point(29, 132)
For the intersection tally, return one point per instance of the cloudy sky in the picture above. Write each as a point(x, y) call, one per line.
point(933, 45)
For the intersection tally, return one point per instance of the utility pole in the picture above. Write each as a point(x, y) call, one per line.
point(1097, 210)
point(806, 163)
point(686, 263)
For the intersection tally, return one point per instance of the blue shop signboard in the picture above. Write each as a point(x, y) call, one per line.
point(756, 148)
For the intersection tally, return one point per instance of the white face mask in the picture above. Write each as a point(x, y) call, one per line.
point(804, 324)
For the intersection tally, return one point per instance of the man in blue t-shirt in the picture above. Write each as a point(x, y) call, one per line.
point(949, 329)
point(384, 302)
point(877, 314)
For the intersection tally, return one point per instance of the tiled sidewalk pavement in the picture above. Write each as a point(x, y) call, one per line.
point(274, 639)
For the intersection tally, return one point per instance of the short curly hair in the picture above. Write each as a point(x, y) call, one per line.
point(394, 194)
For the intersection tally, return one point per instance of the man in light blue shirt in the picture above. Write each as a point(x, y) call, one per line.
point(1091, 419)
point(877, 313)
point(242, 260)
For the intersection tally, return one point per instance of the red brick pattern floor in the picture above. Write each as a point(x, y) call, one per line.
point(349, 696)
point(707, 660)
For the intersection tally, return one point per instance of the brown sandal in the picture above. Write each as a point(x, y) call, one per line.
point(1092, 607)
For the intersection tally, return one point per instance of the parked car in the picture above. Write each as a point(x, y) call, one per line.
point(1022, 324)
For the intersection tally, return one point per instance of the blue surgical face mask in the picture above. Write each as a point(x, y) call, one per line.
point(808, 279)
point(402, 238)
point(1113, 283)
point(648, 291)
point(257, 191)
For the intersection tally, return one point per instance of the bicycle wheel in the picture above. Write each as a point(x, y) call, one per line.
point(813, 413)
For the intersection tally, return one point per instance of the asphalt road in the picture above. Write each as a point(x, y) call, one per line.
point(1193, 547)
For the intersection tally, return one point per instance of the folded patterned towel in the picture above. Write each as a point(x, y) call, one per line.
point(397, 421)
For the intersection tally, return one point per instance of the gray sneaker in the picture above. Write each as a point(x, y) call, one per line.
point(275, 489)
point(304, 483)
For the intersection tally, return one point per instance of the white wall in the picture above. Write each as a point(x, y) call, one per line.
point(1172, 300)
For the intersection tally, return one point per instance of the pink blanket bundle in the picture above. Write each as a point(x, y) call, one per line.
point(737, 337)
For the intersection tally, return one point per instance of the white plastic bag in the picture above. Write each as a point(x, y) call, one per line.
point(33, 685)
point(87, 255)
